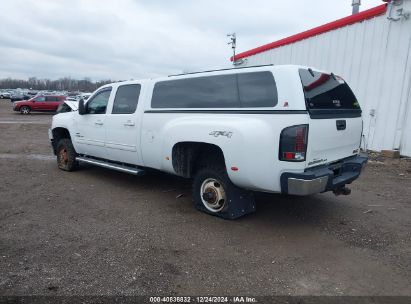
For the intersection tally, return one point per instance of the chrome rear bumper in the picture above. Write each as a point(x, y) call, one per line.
point(298, 186)
point(323, 178)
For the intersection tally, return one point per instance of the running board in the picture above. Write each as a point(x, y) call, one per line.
point(109, 165)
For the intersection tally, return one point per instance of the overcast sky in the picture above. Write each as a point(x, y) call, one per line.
point(125, 39)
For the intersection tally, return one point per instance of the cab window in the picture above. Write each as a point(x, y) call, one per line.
point(98, 104)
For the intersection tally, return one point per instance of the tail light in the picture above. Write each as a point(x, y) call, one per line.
point(293, 143)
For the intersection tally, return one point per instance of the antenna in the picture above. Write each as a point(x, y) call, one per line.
point(233, 42)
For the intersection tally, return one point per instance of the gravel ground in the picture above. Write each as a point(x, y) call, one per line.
point(99, 232)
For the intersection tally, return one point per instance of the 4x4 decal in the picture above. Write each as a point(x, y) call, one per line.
point(222, 133)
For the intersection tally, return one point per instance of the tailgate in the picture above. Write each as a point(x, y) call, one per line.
point(327, 144)
point(335, 125)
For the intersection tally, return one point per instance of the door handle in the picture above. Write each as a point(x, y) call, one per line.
point(341, 125)
point(99, 123)
point(129, 124)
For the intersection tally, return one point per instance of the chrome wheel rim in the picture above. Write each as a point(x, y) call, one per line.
point(213, 195)
point(25, 110)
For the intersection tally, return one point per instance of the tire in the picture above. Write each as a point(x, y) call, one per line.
point(25, 110)
point(66, 155)
point(215, 194)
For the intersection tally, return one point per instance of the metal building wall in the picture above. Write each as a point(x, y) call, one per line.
point(374, 56)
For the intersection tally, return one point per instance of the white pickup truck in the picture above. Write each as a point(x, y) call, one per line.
point(279, 129)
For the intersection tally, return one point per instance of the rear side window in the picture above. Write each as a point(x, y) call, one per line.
point(200, 92)
point(327, 92)
point(255, 89)
point(51, 98)
point(126, 99)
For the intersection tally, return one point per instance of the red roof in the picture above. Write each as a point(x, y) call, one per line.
point(367, 14)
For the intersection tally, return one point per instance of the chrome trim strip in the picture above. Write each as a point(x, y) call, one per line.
point(110, 166)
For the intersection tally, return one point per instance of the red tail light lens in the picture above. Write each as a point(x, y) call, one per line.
point(293, 143)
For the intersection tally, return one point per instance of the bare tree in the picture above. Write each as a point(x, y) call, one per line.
point(62, 84)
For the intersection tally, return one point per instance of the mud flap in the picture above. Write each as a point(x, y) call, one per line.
point(240, 203)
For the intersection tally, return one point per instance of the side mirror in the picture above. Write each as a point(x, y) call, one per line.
point(81, 107)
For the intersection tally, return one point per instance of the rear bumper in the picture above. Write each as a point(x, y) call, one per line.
point(323, 178)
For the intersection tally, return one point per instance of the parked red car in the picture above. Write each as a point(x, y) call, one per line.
point(47, 103)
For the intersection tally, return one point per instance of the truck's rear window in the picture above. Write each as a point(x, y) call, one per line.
point(328, 94)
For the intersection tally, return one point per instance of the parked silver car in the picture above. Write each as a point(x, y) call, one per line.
point(5, 95)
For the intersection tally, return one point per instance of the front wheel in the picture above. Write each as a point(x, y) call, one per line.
point(215, 194)
point(66, 155)
point(25, 110)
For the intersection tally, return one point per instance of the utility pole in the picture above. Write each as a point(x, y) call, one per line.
point(356, 6)
point(233, 42)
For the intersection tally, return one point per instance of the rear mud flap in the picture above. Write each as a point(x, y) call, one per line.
point(240, 203)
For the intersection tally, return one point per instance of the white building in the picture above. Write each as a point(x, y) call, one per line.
point(371, 50)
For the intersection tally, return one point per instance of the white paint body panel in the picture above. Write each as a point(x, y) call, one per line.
point(90, 133)
point(123, 133)
point(253, 146)
point(374, 57)
point(72, 104)
point(325, 142)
